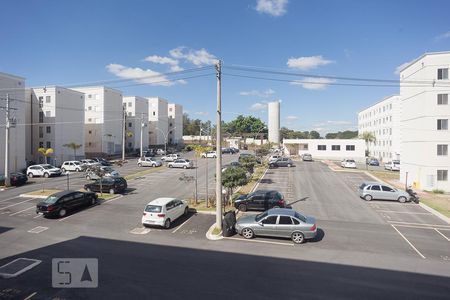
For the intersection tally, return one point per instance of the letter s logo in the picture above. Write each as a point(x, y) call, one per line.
point(69, 281)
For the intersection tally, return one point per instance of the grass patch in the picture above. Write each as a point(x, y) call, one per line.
point(142, 173)
point(437, 191)
point(441, 205)
point(216, 231)
point(257, 174)
point(385, 175)
point(105, 196)
point(201, 206)
point(43, 192)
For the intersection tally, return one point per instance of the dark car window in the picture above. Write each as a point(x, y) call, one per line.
point(285, 220)
point(260, 216)
point(375, 188)
point(153, 208)
point(295, 221)
point(170, 205)
point(270, 220)
point(386, 188)
point(79, 195)
point(256, 197)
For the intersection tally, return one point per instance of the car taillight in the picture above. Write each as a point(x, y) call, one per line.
point(281, 202)
point(144, 214)
point(161, 215)
point(50, 208)
point(313, 227)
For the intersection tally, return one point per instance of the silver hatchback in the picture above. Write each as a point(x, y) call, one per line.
point(278, 222)
point(379, 191)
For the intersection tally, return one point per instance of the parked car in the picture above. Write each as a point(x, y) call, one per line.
point(149, 153)
point(260, 200)
point(307, 157)
point(90, 163)
point(235, 150)
point(209, 154)
point(112, 185)
point(282, 162)
point(160, 152)
point(45, 170)
point(379, 191)
point(15, 179)
point(348, 163)
point(233, 164)
point(73, 165)
point(163, 211)
point(107, 171)
point(373, 162)
point(278, 222)
point(170, 157)
point(181, 163)
point(227, 151)
point(102, 161)
point(148, 162)
point(274, 158)
point(392, 165)
point(62, 202)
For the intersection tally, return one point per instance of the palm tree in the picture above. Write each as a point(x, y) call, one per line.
point(368, 137)
point(46, 152)
point(74, 147)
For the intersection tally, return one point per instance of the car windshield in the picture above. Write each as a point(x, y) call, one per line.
point(47, 167)
point(350, 160)
point(76, 162)
point(261, 216)
point(50, 200)
point(300, 217)
point(153, 208)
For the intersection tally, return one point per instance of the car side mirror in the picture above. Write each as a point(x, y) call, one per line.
point(261, 223)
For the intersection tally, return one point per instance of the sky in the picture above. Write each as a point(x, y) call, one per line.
point(169, 48)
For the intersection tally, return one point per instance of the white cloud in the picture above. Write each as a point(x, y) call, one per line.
point(291, 119)
point(333, 123)
point(258, 106)
point(275, 8)
point(201, 113)
point(139, 75)
point(400, 68)
point(176, 68)
point(308, 62)
point(161, 60)
point(311, 83)
point(197, 57)
point(443, 36)
point(257, 93)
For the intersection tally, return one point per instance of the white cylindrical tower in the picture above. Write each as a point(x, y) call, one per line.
point(274, 122)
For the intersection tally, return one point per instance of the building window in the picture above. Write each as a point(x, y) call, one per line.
point(89, 96)
point(48, 113)
point(442, 99)
point(130, 104)
point(170, 109)
point(154, 113)
point(442, 150)
point(442, 124)
point(89, 107)
point(442, 175)
point(49, 144)
point(442, 74)
point(48, 99)
point(41, 144)
point(322, 147)
point(48, 129)
point(41, 102)
point(130, 114)
point(89, 144)
point(130, 124)
point(41, 117)
point(335, 147)
point(41, 132)
point(350, 147)
point(90, 131)
point(170, 124)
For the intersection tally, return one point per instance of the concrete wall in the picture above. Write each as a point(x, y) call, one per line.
point(137, 108)
point(175, 114)
point(158, 121)
point(274, 122)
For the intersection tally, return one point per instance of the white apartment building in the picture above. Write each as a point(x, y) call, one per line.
point(136, 122)
point(383, 121)
point(13, 86)
point(273, 110)
point(158, 121)
point(334, 149)
point(175, 114)
point(55, 117)
point(103, 120)
point(424, 122)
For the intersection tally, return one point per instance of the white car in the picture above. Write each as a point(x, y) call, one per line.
point(160, 152)
point(209, 154)
point(163, 211)
point(348, 163)
point(73, 165)
point(274, 158)
point(107, 171)
point(45, 170)
point(90, 162)
point(148, 162)
point(170, 157)
point(392, 165)
point(181, 163)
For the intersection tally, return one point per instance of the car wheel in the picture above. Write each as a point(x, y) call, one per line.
point(184, 167)
point(88, 177)
point(64, 170)
point(402, 199)
point(247, 233)
point(289, 165)
point(139, 165)
point(167, 224)
point(297, 237)
point(46, 175)
point(368, 198)
point(111, 191)
point(62, 212)
point(77, 170)
point(30, 175)
point(186, 211)
point(242, 207)
point(154, 165)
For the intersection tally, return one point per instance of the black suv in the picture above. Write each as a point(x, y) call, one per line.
point(60, 203)
point(260, 200)
point(110, 185)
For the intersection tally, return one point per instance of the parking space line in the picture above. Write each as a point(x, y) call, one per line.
point(7, 199)
point(442, 234)
point(110, 200)
point(17, 203)
point(181, 225)
point(258, 241)
point(412, 246)
point(404, 212)
point(22, 211)
point(39, 215)
point(420, 224)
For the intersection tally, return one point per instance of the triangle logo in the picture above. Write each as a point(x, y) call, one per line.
point(86, 275)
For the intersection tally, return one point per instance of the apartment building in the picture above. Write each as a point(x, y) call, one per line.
point(158, 121)
point(13, 87)
point(54, 119)
point(383, 121)
point(103, 120)
point(136, 122)
point(424, 122)
point(175, 114)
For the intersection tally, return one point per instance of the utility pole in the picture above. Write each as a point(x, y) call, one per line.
point(142, 130)
point(124, 129)
point(219, 147)
point(7, 179)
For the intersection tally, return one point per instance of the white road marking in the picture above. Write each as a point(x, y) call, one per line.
point(181, 225)
point(257, 184)
point(412, 246)
point(17, 203)
point(259, 241)
point(442, 235)
point(22, 211)
point(110, 200)
point(140, 230)
point(420, 224)
point(7, 199)
point(39, 215)
point(421, 227)
point(31, 296)
point(38, 229)
point(404, 212)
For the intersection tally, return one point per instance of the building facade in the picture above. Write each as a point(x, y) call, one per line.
point(12, 86)
point(273, 109)
point(103, 120)
point(55, 118)
point(136, 122)
point(158, 121)
point(424, 122)
point(383, 121)
point(175, 115)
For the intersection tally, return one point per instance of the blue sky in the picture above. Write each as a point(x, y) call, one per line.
point(71, 42)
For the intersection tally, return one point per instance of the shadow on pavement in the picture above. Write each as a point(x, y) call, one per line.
point(5, 229)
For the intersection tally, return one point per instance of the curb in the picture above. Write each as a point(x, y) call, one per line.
point(211, 236)
point(435, 212)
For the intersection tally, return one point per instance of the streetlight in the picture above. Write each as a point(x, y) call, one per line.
point(165, 137)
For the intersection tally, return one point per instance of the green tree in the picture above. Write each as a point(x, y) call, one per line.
point(368, 137)
point(248, 162)
point(74, 147)
point(233, 178)
point(314, 134)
